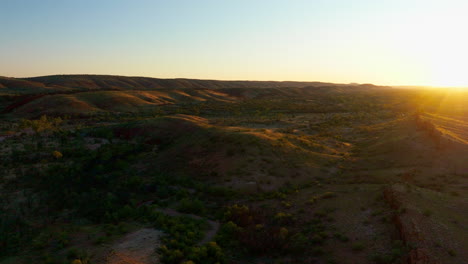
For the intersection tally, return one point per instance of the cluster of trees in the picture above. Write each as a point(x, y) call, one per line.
point(257, 232)
point(44, 123)
point(101, 186)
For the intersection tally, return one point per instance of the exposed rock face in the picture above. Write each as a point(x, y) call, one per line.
point(408, 232)
point(419, 256)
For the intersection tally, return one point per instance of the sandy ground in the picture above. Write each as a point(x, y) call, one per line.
point(139, 247)
point(136, 248)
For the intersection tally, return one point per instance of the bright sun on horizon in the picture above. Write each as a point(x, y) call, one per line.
point(400, 42)
point(447, 53)
point(447, 72)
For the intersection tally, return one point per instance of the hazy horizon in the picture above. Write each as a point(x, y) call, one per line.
point(398, 43)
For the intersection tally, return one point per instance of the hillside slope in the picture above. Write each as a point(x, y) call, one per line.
point(418, 150)
point(231, 156)
point(118, 101)
point(63, 83)
point(21, 86)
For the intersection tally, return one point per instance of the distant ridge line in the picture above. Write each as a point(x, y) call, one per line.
point(87, 82)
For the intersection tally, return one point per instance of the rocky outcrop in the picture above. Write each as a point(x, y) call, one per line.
point(408, 231)
point(419, 256)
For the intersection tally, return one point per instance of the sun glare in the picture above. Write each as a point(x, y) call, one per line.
point(448, 65)
point(434, 43)
point(450, 77)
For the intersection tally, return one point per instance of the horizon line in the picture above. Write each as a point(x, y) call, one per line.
point(246, 80)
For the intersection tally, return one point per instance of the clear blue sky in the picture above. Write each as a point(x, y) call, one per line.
point(410, 42)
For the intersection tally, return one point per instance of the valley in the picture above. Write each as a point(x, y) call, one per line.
point(113, 169)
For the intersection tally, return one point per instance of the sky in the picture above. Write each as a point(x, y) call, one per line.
point(398, 42)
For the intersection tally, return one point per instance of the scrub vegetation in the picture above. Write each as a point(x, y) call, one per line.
point(109, 169)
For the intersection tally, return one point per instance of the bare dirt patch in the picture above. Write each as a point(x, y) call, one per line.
point(135, 248)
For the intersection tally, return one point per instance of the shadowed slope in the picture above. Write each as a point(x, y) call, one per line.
point(231, 156)
point(21, 86)
point(119, 101)
point(95, 82)
point(414, 149)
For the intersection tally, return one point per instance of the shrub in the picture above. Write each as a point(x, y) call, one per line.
point(298, 243)
point(241, 215)
point(397, 252)
point(341, 237)
point(328, 195)
point(311, 200)
point(427, 212)
point(191, 206)
point(283, 218)
point(171, 256)
point(209, 253)
point(57, 154)
point(227, 233)
point(358, 246)
point(42, 124)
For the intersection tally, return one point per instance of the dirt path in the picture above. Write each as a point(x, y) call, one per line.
point(209, 235)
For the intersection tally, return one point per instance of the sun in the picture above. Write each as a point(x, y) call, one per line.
point(449, 75)
point(447, 68)
point(435, 44)
point(446, 62)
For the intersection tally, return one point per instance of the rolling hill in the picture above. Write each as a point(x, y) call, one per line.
point(63, 83)
point(85, 94)
point(271, 172)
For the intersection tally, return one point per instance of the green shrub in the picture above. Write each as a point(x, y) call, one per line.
point(191, 206)
point(328, 195)
point(427, 212)
point(358, 246)
point(209, 253)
